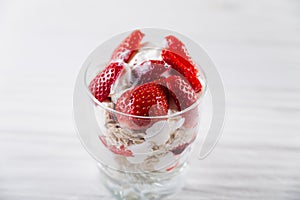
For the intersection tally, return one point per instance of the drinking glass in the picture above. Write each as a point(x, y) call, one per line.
point(162, 153)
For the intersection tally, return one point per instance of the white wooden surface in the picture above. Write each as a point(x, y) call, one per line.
point(255, 44)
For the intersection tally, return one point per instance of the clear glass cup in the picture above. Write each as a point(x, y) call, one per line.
point(161, 152)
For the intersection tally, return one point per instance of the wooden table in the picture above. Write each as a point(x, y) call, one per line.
point(256, 46)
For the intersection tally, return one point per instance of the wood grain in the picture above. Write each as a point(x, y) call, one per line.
point(256, 46)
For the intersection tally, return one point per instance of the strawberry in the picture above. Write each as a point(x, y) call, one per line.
point(149, 71)
point(177, 56)
point(181, 91)
point(128, 46)
point(183, 96)
point(145, 100)
point(101, 84)
point(123, 105)
point(184, 68)
point(149, 100)
point(120, 151)
point(176, 46)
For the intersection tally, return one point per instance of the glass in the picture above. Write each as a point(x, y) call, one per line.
point(157, 168)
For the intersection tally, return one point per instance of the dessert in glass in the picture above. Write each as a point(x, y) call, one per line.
point(137, 111)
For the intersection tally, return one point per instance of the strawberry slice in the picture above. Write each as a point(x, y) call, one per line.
point(177, 56)
point(176, 46)
point(123, 105)
point(128, 46)
point(183, 96)
point(149, 71)
point(120, 151)
point(148, 99)
point(101, 84)
point(181, 91)
point(184, 68)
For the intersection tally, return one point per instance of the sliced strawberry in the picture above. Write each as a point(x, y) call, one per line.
point(101, 84)
point(162, 82)
point(124, 105)
point(120, 151)
point(183, 96)
point(176, 46)
point(148, 99)
point(128, 46)
point(177, 56)
point(181, 91)
point(184, 68)
point(149, 71)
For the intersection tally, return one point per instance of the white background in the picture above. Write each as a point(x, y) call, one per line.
point(255, 44)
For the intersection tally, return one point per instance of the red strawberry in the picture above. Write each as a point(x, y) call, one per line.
point(120, 151)
point(123, 105)
point(128, 46)
point(184, 68)
point(176, 46)
point(149, 100)
point(149, 71)
point(181, 91)
point(145, 100)
point(101, 84)
point(183, 96)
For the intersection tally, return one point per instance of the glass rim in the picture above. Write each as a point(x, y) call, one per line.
point(172, 115)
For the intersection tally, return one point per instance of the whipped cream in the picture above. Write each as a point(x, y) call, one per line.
point(140, 152)
point(158, 134)
point(160, 131)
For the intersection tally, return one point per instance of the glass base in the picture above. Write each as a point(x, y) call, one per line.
point(143, 185)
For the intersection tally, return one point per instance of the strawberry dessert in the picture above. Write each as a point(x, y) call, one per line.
point(153, 92)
